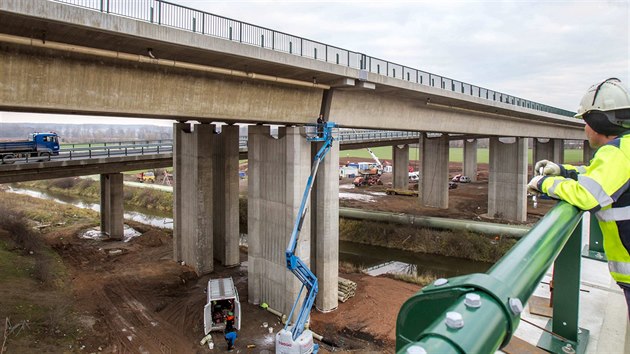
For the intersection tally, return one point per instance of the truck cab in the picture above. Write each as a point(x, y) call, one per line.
point(46, 142)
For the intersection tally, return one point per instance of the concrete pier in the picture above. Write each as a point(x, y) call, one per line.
point(470, 159)
point(507, 197)
point(278, 170)
point(226, 193)
point(193, 195)
point(434, 181)
point(325, 229)
point(401, 166)
point(112, 210)
point(548, 149)
point(587, 153)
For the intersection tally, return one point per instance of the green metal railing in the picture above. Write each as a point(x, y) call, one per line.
point(478, 313)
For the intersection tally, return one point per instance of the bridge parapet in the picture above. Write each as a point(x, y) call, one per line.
point(181, 17)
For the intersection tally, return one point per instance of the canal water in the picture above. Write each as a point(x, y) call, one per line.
point(374, 259)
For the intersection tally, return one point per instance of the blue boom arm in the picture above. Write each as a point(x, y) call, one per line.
point(294, 263)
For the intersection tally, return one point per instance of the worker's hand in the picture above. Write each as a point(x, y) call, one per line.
point(550, 168)
point(532, 186)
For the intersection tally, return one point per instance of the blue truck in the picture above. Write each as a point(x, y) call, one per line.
point(38, 145)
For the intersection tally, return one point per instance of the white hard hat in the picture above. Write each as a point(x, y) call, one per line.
point(608, 95)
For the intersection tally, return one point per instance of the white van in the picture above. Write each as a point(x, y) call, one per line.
point(222, 299)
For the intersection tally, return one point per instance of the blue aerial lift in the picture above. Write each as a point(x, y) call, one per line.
point(295, 339)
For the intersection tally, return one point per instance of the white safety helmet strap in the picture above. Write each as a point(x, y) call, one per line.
point(608, 95)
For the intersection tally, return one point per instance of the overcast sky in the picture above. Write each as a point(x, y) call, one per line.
point(544, 51)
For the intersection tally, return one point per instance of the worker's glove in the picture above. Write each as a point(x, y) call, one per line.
point(532, 186)
point(549, 168)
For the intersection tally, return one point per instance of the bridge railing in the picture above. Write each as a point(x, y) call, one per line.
point(478, 313)
point(185, 18)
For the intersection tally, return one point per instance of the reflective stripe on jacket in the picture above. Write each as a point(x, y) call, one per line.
point(602, 188)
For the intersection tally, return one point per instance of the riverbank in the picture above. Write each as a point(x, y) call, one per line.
point(463, 244)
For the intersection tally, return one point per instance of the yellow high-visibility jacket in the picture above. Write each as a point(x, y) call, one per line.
point(602, 188)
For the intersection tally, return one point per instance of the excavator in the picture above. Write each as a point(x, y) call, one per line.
point(296, 339)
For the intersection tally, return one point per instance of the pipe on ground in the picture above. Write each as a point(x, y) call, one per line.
point(512, 231)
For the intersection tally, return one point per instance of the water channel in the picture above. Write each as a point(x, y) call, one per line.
point(374, 259)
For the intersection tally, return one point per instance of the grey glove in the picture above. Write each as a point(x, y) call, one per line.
point(549, 168)
point(532, 186)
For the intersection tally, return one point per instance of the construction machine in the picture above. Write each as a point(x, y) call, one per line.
point(295, 339)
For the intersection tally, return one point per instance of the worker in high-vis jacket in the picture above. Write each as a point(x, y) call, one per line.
point(602, 187)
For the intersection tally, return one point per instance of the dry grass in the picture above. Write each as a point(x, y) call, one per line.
point(442, 242)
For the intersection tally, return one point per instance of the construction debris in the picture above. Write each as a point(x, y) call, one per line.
point(347, 288)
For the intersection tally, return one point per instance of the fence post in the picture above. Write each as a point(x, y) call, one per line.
point(595, 248)
point(566, 300)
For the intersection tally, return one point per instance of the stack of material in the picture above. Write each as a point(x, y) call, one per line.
point(347, 289)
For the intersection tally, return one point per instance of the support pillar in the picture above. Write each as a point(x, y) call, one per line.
point(548, 149)
point(226, 194)
point(507, 197)
point(434, 164)
point(278, 170)
point(112, 223)
point(401, 166)
point(470, 159)
point(193, 196)
point(325, 229)
point(587, 153)
point(558, 151)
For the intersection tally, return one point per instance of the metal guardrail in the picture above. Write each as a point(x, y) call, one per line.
point(172, 15)
point(147, 147)
point(478, 313)
point(100, 150)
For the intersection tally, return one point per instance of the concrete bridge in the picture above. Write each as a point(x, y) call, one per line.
point(177, 63)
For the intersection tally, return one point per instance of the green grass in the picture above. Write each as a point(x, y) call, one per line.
point(455, 154)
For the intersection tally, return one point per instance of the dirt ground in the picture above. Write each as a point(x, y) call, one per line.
point(136, 299)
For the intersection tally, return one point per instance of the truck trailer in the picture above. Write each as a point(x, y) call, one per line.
point(41, 145)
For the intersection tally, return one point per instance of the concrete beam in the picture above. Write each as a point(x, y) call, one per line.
point(470, 159)
point(370, 109)
point(112, 210)
point(507, 197)
point(434, 181)
point(104, 86)
point(401, 166)
point(70, 168)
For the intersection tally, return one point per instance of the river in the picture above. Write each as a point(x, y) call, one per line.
point(375, 260)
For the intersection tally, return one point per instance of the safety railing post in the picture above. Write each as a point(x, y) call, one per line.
point(595, 248)
point(566, 300)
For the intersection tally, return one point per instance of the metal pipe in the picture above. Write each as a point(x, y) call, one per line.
point(513, 231)
point(7, 38)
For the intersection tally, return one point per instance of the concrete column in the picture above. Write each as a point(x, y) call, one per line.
point(507, 197)
point(325, 229)
point(401, 166)
point(179, 131)
point(278, 170)
point(112, 209)
point(194, 196)
point(434, 171)
point(226, 193)
point(470, 159)
point(542, 150)
point(558, 151)
point(587, 153)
